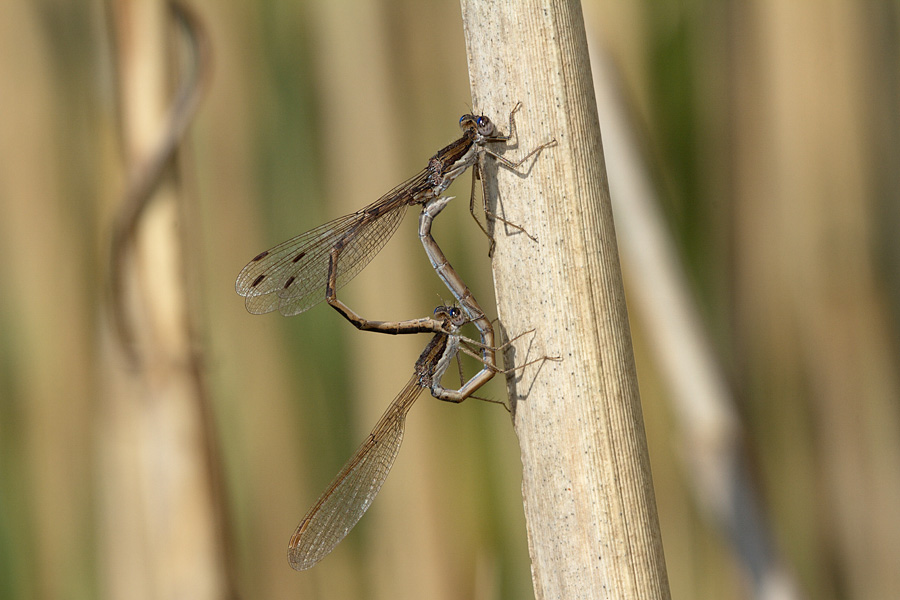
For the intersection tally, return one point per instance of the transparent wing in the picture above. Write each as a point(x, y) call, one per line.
point(291, 277)
point(348, 497)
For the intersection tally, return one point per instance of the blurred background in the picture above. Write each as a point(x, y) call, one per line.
point(770, 135)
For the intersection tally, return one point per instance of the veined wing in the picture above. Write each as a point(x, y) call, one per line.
point(348, 497)
point(291, 277)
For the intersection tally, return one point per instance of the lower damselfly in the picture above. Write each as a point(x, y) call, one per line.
point(352, 491)
point(346, 499)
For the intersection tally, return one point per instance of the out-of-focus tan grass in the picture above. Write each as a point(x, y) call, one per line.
point(774, 131)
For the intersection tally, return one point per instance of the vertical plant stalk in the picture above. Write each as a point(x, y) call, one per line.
point(710, 431)
point(593, 530)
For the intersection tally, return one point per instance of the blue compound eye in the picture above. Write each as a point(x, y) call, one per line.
point(462, 118)
point(482, 121)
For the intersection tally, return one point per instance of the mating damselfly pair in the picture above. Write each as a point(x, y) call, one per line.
point(301, 272)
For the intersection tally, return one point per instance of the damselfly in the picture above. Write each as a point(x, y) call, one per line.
point(348, 497)
point(352, 491)
point(291, 277)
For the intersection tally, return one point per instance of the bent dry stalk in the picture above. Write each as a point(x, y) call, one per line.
point(291, 276)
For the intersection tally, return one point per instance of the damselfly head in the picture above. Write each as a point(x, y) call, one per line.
point(485, 126)
point(477, 124)
point(446, 311)
point(452, 314)
point(468, 123)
